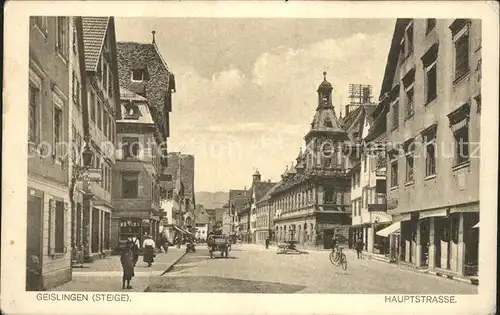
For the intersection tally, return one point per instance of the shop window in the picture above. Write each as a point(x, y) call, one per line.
point(429, 60)
point(130, 184)
point(460, 33)
point(455, 225)
point(430, 25)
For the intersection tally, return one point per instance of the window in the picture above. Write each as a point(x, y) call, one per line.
point(92, 104)
point(330, 196)
point(395, 114)
point(34, 100)
point(409, 157)
point(105, 119)
point(461, 145)
point(138, 75)
point(130, 147)
point(57, 126)
point(459, 123)
point(105, 75)
point(408, 82)
point(394, 171)
point(57, 227)
point(364, 163)
point(41, 23)
point(460, 32)
point(99, 114)
point(130, 184)
point(429, 136)
point(328, 154)
point(62, 40)
point(431, 24)
point(406, 44)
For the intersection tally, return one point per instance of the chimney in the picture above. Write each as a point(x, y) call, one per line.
point(153, 32)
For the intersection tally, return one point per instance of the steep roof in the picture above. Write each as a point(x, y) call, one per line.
point(269, 192)
point(261, 188)
point(392, 58)
point(238, 197)
point(94, 33)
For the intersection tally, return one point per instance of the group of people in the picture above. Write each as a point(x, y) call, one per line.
point(130, 256)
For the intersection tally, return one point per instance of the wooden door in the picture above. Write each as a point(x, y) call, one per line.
point(34, 244)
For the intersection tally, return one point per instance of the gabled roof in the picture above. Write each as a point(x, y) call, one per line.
point(261, 188)
point(269, 192)
point(94, 33)
point(392, 58)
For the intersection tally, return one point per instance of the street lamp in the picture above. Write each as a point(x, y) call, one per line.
point(87, 156)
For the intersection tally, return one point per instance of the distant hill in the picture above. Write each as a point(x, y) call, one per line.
point(212, 200)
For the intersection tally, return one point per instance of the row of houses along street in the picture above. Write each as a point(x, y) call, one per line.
point(401, 173)
point(98, 167)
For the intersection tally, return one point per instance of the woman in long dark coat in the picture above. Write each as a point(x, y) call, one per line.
point(127, 260)
point(148, 250)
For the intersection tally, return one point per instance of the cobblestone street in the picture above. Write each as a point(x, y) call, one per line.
point(252, 269)
point(106, 274)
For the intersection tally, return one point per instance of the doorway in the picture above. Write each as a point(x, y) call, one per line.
point(34, 239)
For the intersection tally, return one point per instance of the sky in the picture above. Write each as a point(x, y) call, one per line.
point(246, 88)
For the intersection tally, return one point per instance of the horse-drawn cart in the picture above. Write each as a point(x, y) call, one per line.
point(218, 243)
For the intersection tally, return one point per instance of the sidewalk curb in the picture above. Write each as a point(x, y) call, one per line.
point(173, 263)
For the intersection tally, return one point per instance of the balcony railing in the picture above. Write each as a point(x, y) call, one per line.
point(380, 203)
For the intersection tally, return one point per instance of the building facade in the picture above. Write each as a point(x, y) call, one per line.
point(48, 209)
point(237, 199)
point(432, 86)
point(265, 213)
point(103, 99)
point(312, 202)
point(136, 187)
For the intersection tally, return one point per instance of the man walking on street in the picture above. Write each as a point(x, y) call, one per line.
point(359, 247)
point(267, 242)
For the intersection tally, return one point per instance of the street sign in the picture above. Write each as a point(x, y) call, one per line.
point(93, 175)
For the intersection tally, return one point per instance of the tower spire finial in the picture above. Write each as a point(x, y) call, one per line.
point(324, 74)
point(153, 32)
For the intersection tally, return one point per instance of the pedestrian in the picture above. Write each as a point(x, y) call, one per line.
point(127, 260)
point(136, 245)
point(267, 242)
point(359, 247)
point(148, 248)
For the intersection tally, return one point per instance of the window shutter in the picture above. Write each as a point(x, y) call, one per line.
point(67, 226)
point(52, 227)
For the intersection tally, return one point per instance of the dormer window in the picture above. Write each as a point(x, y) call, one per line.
point(138, 75)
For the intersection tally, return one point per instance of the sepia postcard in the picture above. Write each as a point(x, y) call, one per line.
point(226, 157)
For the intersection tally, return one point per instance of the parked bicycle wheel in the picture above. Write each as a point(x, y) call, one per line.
point(334, 258)
point(343, 259)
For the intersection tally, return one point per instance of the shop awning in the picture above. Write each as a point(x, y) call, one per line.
point(390, 229)
point(433, 213)
point(476, 226)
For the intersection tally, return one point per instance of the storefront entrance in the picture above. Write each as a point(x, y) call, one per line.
point(34, 239)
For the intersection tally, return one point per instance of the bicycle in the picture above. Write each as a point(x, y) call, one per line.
point(338, 258)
